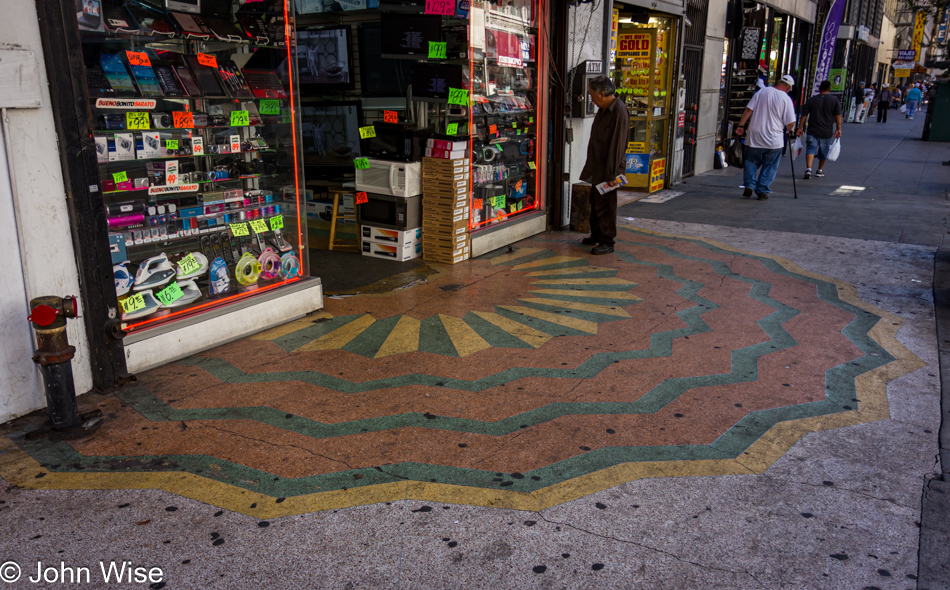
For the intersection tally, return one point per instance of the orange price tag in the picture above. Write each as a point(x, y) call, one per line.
point(138, 58)
point(477, 204)
point(361, 198)
point(183, 119)
point(208, 60)
point(493, 129)
point(390, 117)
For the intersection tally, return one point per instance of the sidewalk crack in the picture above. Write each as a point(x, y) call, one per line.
point(272, 444)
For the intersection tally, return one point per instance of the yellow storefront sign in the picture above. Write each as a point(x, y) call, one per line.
point(636, 147)
point(657, 174)
point(919, 33)
point(902, 73)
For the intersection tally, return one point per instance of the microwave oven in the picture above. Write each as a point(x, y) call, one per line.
point(398, 179)
point(395, 141)
point(389, 212)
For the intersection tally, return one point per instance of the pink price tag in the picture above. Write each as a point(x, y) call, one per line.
point(444, 7)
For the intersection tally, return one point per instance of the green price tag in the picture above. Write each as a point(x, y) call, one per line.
point(135, 120)
point(361, 163)
point(133, 303)
point(277, 222)
point(532, 165)
point(437, 49)
point(120, 177)
point(171, 144)
point(530, 119)
point(239, 229)
point(258, 225)
point(188, 264)
point(452, 129)
point(498, 202)
point(367, 132)
point(169, 294)
point(269, 107)
point(240, 119)
point(458, 96)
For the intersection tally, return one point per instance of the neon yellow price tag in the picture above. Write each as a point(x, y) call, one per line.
point(361, 163)
point(269, 107)
point(277, 222)
point(133, 303)
point(437, 49)
point(120, 177)
point(135, 120)
point(258, 225)
point(532, 166)
point(171, 144)
point(169, 294)
point(458, 96)
point(240, 119)
point(367, 132)
point(452, 129)
point(239, 229)
point(188, 264)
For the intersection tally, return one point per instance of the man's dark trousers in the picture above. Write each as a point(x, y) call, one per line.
point(882, 111)
point(603, 216)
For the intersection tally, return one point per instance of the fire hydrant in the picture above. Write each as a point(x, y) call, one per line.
point(54, 356)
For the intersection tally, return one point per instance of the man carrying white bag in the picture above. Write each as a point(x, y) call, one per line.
point(822, 113)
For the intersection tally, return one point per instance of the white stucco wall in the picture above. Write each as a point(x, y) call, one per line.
point(582, 47)
point(48, 262)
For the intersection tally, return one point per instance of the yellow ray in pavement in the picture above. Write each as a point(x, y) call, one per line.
point(403, 338)
point(568, 322)
point(590, 307)
point(573, 270)
point(464, 338)
point(291, 327)
point(547, 262)
point(526, 334)
point(341, 336)
point(593, 294)
point(591, 281)
point(518, 253)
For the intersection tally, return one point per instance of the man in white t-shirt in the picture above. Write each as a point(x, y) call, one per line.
point(772, 113)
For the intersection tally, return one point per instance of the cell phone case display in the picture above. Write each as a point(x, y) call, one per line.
point(196, 145)
point(503, 109)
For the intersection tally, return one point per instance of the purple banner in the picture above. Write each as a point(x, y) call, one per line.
point(826, 47)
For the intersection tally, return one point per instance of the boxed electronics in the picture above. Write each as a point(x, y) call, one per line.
point(395, 141)
point(382, 235)
point(390, 212)
point(396, 252)
point(398, 179)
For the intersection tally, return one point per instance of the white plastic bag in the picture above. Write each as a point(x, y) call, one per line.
point(904, 108)
point(834, 151)
point(796, 147)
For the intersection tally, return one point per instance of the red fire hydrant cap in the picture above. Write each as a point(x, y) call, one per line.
point(43, 315)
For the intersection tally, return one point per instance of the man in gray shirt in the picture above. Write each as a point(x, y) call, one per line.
point(823, 113)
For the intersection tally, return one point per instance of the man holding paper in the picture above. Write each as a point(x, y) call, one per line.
point(605, 162)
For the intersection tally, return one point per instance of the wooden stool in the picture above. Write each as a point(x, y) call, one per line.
point(337, 215)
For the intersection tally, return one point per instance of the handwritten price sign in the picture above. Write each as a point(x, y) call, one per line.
point(189, 265)
point(208, 60)
point(361, 163)
point(367, 132)
point(120, 177)
point(477, 203)
point(493, 129)
point(133, 303)
point(458, 96)
point(240, 119)
point(361, 198)
point(135, 120)
point(171, 144)
point(445, 7)
point(269, 107)
point(183, 119)
point(390, 117)
point(258, 225)
point(169, 294)
point(277, 222)
point(437, 50)
point(138, 58)
point(239, 229)
point(452, 128)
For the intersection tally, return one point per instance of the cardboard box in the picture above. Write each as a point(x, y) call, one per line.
point(391, 251)
point(124, 147)
point(381, 235)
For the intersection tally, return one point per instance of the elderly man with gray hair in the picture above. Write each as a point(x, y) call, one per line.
point(605, 161)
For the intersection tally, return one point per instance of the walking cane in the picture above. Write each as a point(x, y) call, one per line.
point(791, 160)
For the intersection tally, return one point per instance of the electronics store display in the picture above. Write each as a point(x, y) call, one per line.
point(193, 130)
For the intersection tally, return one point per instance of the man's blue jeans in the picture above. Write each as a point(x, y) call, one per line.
point(911, 107)
point(764, 158)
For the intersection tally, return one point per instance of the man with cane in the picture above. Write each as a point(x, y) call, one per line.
point(770, 114)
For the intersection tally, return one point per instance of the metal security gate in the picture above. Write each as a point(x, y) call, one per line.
point(694, 40)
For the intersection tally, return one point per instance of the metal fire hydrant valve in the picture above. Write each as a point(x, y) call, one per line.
point(54, 355)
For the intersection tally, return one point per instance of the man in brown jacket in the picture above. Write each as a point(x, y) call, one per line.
point(605, 161)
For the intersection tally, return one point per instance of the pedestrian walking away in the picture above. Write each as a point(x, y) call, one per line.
point(769, 114)
point(822, 113)
point(884, 103)
point(913, 97)
point(871, 94)
point(605, 161)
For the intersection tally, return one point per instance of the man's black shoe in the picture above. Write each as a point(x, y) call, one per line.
point(762, 196)
point(589, 242)
point(602, 249)
point(747, 193)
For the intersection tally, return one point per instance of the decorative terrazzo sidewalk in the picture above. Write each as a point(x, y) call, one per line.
point(519, 381)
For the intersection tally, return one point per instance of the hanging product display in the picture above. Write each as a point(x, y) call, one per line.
point(196, 142)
